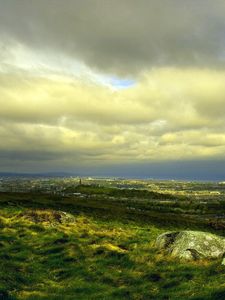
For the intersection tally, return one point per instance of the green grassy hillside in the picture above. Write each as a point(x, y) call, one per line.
point(92, 254)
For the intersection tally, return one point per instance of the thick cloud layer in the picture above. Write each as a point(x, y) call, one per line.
point(85, 85)
point(120, 36)
point(167, 115)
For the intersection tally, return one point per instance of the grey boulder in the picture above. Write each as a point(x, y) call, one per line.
point(191, 245)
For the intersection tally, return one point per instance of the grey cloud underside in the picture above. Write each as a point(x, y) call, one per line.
point(121, 36)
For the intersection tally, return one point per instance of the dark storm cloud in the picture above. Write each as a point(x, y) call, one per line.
point(121, 36)
point(14, 155)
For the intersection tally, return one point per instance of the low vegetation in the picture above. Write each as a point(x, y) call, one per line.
point(68, 248)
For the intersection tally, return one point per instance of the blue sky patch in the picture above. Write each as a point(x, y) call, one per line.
point(122, 83)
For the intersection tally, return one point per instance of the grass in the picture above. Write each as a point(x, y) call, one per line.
point(86, 256)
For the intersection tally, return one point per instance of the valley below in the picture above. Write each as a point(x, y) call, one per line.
point(95, 239)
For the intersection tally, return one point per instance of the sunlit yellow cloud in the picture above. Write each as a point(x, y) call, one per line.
point(171, 113)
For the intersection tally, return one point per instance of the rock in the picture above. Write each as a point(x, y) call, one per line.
point(191, 245)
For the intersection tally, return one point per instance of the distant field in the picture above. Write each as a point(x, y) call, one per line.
point(101, 248)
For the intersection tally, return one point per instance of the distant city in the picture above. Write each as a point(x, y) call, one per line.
point(62, 185)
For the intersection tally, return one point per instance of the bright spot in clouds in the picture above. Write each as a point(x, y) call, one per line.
point(122, 83)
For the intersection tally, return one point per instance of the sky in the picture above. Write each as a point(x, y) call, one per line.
point(113, 87)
